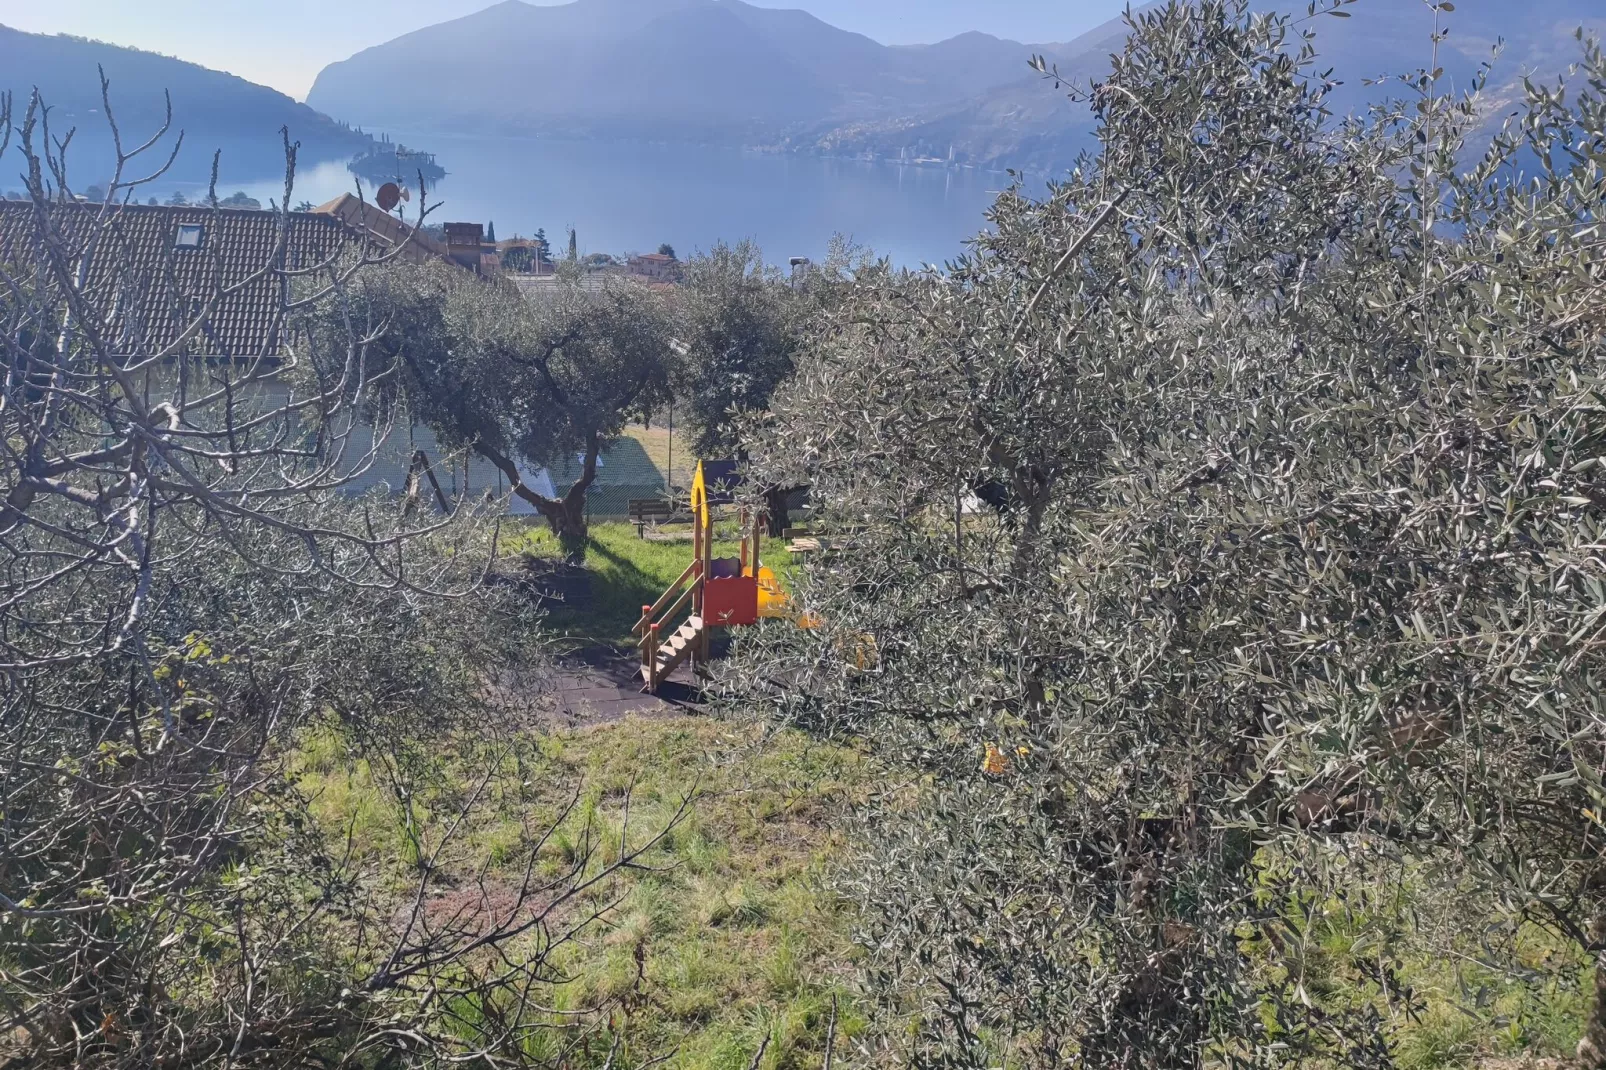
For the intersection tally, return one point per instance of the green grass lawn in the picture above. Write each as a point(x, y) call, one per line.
point(665, 450)
point(728, 937)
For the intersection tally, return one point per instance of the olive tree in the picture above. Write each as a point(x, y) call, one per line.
point(1293, 572)
point(741, 324)
point(534, 379)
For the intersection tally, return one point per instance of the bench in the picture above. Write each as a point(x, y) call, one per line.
point(644, 511)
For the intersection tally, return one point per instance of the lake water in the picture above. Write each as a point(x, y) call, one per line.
point(629, 197)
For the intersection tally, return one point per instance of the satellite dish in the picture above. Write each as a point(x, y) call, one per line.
point(389, 196)
point(406, 194)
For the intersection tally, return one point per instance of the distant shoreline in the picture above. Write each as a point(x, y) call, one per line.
point(759, 148)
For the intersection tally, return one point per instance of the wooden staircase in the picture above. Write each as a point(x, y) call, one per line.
point(686, 642)
point(661, 656)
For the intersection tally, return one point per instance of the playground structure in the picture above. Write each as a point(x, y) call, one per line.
point(712, 593)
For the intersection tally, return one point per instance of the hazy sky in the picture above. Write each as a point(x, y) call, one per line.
point(285, 43)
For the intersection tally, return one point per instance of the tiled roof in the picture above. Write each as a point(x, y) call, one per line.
point(157, 287)
point(382, 225)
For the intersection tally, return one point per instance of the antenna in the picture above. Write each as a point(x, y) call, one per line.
point(389, 196)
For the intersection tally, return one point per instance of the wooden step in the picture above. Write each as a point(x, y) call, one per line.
point(676, 649)
point(665, 667)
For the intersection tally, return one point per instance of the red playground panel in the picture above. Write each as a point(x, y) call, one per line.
point(731, 601)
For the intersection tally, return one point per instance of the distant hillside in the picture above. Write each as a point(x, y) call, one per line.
point(215, 110)
point(718, 69)
point(728, 72)
point(1023, 122)
point(1027, 124)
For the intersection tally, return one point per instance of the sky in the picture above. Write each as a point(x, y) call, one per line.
point(285, 43)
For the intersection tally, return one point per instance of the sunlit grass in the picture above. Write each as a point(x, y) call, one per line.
point(731, 933)
point(731, 919)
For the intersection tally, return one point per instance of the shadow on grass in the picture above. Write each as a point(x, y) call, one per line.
point(623, 587)
point(599, 602)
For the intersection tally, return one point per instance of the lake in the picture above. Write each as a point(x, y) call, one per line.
point(629, 197)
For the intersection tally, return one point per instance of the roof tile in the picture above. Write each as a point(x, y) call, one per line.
point(155, 288)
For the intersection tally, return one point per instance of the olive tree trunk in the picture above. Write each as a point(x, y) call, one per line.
point(565, 515)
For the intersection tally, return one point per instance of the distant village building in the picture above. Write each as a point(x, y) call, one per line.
point(367, 217)
point(465, 245)
point(657, 267)
point(549, 285)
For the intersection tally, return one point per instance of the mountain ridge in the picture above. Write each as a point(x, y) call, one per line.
point(211, 107)
point(730, 72)
point(1029, 126)
point(594, 54)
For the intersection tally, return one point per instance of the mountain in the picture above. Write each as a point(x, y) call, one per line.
point(722, 69)
point(730, 72)
point(214, 110)
point(1027, 124)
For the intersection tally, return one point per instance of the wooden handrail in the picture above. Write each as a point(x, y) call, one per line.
point(680, 604)
point(651, 641)
point(657, 607)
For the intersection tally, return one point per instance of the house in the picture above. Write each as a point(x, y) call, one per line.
point(162, 264)
point(361, 215)
point(657, 267)
point(466, 247)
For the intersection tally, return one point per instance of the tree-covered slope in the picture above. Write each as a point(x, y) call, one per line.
point(1026, 123)
point(718, 68)
point(215, 110)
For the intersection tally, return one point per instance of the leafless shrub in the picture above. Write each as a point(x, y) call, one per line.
point(189, 591)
